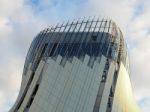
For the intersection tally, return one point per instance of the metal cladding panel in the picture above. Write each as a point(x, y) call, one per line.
point(123, 98)
point(72, 67)
point(107, 88)
point(31, 88)
point(22, 89)
point(72, 88)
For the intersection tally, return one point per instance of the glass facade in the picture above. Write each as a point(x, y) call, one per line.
point(76, 67)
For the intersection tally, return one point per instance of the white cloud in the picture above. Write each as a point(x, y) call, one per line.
point(139, 37)
point(18, 26)
point(145, 104)
point(10, 80)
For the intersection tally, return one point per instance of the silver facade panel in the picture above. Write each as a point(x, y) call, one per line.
point(73, 87)
point(78, 66)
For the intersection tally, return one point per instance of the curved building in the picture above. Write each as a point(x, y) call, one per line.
point(78, 66)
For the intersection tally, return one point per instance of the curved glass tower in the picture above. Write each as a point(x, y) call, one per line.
point(78, 66)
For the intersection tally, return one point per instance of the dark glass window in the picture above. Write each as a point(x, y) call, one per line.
point(53, 49)
point(94, 37)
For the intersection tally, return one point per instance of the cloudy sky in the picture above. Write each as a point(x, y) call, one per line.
point(21, 20)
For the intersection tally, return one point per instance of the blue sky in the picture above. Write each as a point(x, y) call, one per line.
point(21, 20)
